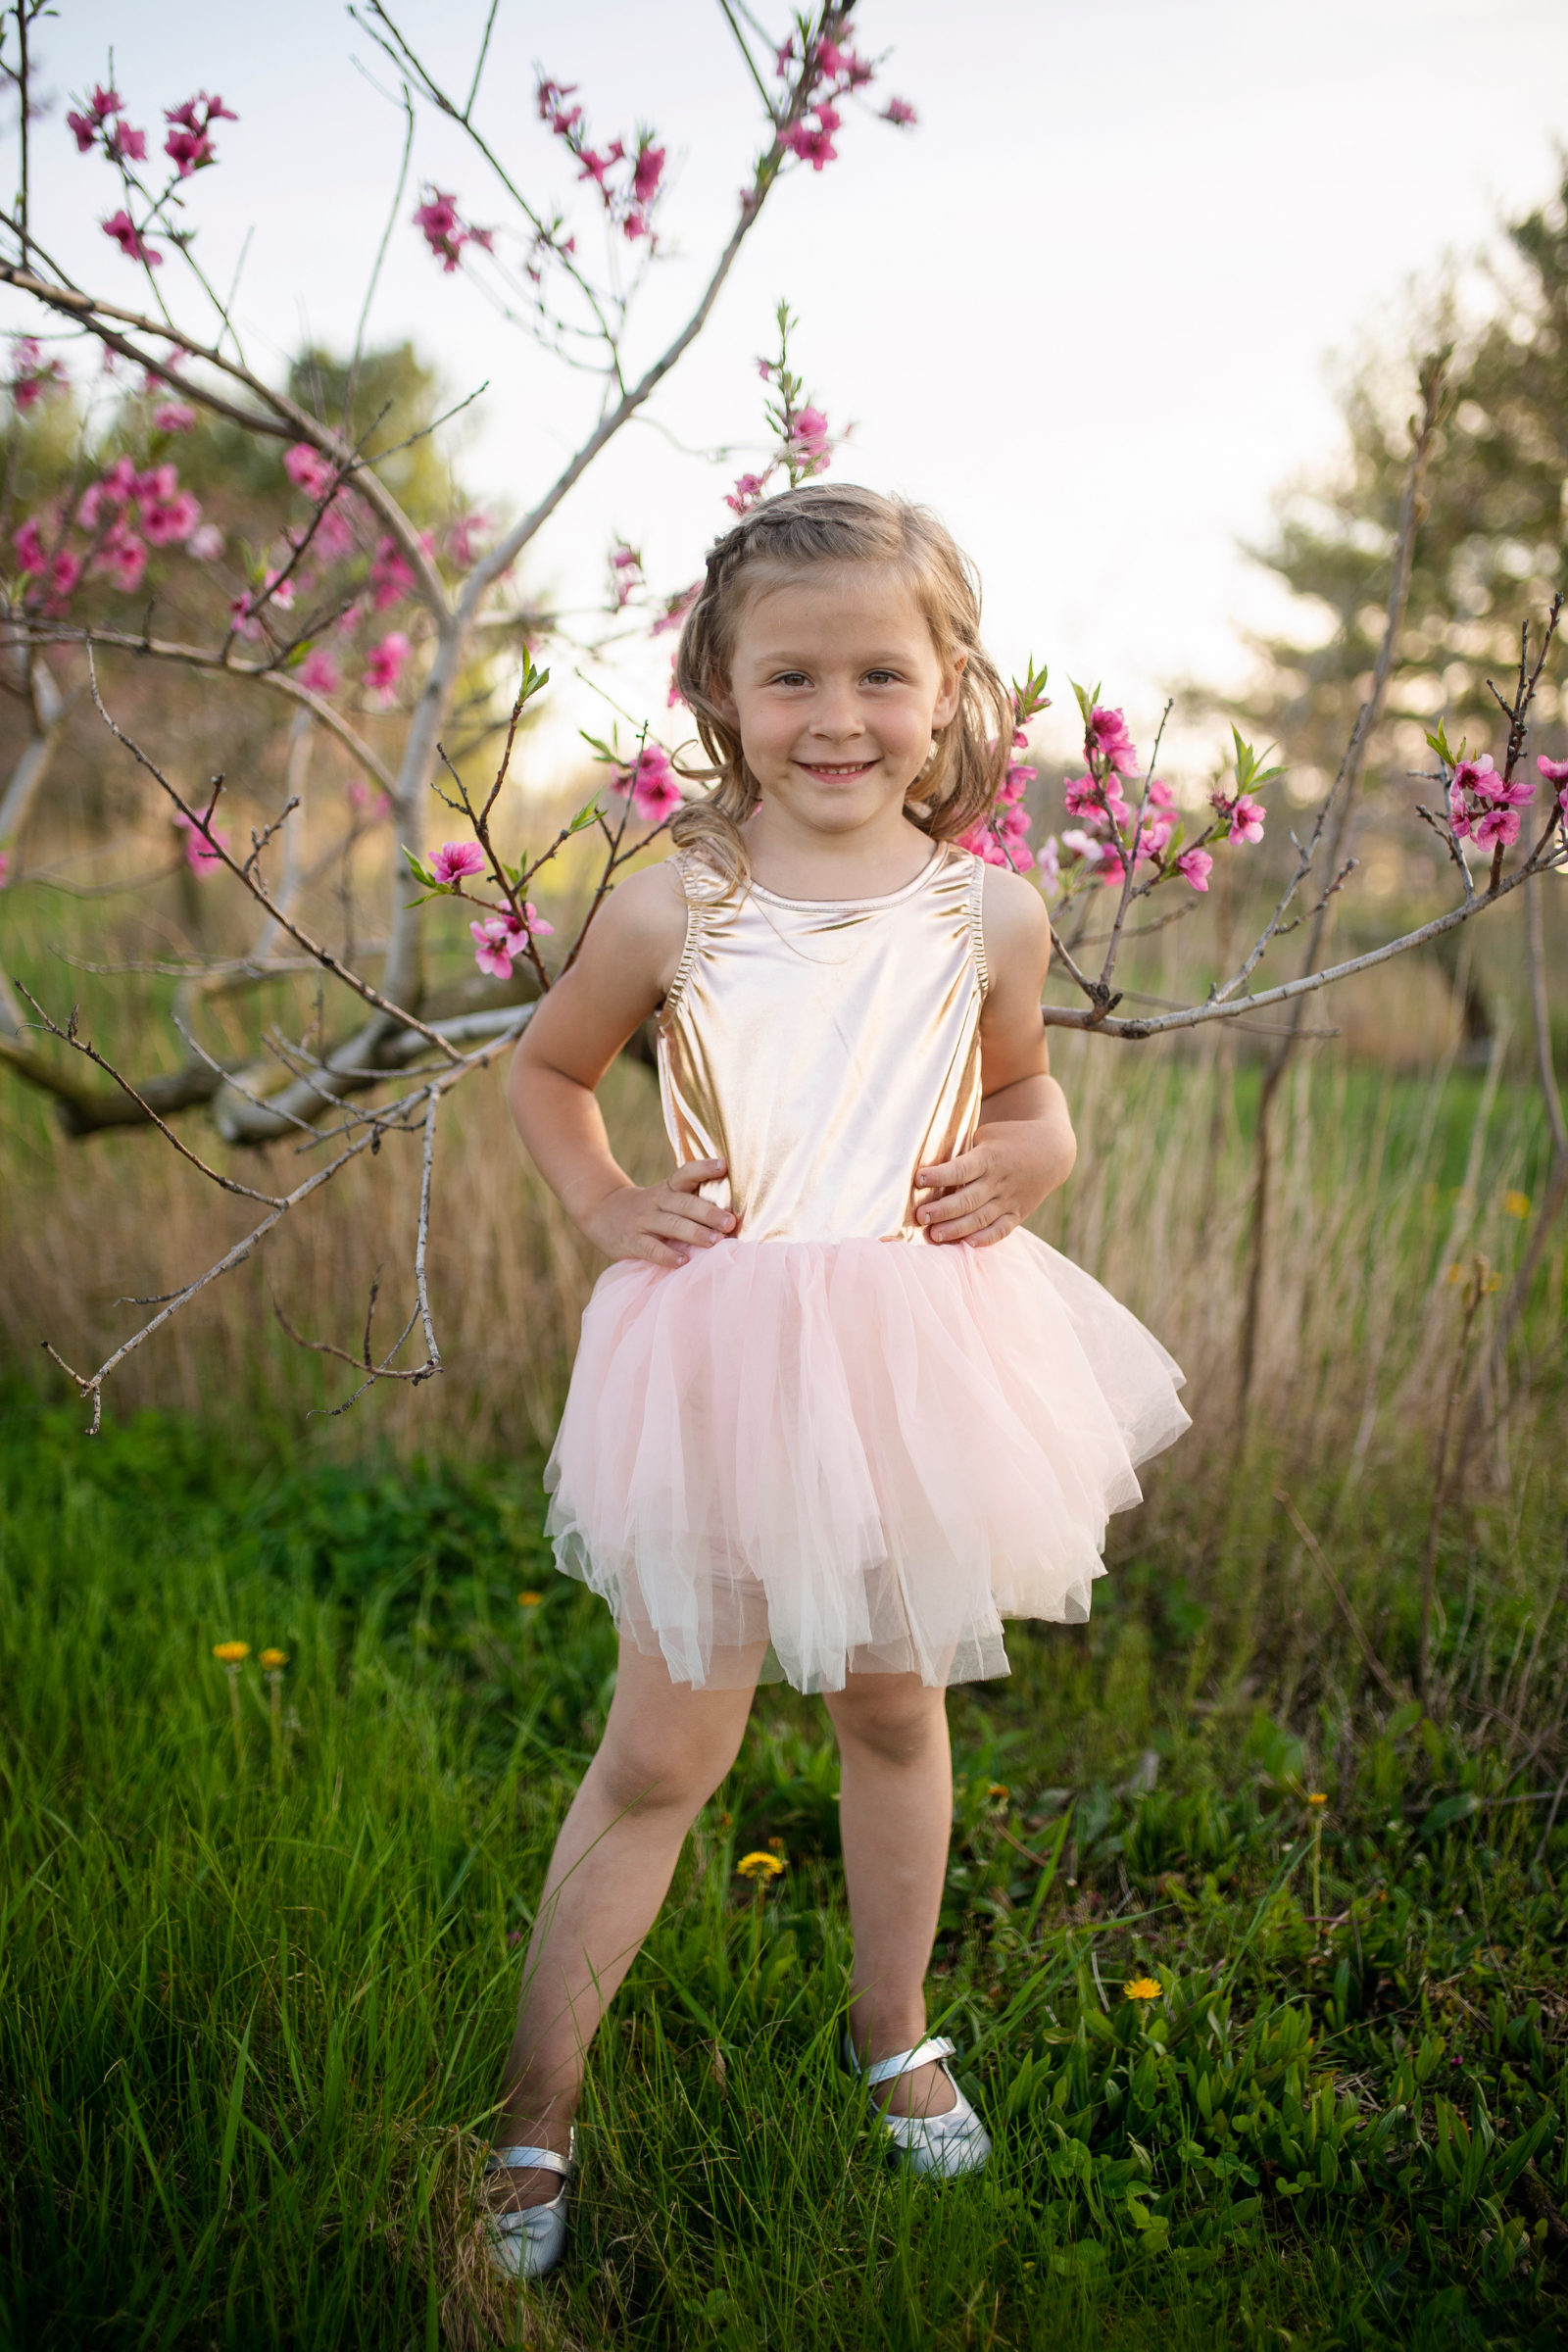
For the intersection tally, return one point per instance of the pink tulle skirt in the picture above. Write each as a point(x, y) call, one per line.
point(808, 1458)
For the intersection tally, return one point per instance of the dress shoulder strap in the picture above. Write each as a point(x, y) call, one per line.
point(703, 889)
point(977, 934)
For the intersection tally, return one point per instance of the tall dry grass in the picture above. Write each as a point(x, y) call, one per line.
point(1387, 1181)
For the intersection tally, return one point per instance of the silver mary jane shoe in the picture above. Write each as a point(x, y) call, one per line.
point(531, 2240)
point(938, 2146)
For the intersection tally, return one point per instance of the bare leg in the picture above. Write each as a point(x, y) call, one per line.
point(666, 1749)
point(896, 1818)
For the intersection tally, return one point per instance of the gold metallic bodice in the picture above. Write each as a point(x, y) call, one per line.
point(825, 1048)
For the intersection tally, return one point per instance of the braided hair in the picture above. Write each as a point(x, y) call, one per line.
point(840, 523)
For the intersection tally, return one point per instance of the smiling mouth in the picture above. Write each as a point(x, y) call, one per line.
point(822, 768)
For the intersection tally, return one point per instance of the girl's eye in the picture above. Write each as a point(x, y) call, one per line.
point(791, 678)
point(881, 678)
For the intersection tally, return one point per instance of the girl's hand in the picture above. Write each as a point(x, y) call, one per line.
point(662, 1223)
point(1013, 1164)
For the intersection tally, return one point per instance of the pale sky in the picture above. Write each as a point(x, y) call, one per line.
point(1086, 310)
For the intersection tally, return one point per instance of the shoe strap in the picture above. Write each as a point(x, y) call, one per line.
point(541, 2160)
point(903, 2062)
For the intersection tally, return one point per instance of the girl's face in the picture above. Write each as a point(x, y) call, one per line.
point(837, 689)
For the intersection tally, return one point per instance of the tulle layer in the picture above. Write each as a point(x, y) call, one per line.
point(864, 1454)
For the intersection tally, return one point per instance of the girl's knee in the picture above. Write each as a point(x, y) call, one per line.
point(663, 1765)
point(894, 1715)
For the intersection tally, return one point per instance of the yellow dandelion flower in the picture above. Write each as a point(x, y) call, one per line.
point(1143, 1988)
point(999, 1791)
point(727, 1820)
point(1317, 1797)
point(272, 1659)
point(769, 1866)
point(775, 1846)
point(529, 1601)
point(229, 1653)
point(1516, 1205)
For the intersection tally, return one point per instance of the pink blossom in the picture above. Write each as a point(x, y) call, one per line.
point(901, 112)
point(1245, 818)
point(307, 469)
point(28, 544)
point(1160, 795)
point(654, 792)
point(625, 571)
point(188, 150)
point(189, 144)
point(317, 673)
point(499, 939)
point(123, 145)
point(453, 859)
point(982, 843)
point(333, 534)
point(465, 531)
point(1016, 783)
point(122, 557)
point(203, 841)
point(5, 868)
point(65, 571)
point(436, 219)
point(1112, 740)
point(1050, 865)
point(1154, 833)
point(391, 578)
point(174, 417)
point(158, 482)
point(383, 666)
point(166, 522)
point(128, 238)
point(85, 129)
point(207, 544)
point(1193, 865)
point(814, 146)
point(809, 436)
point(676, 610)
point(1494, 824)
point(647, 173)
point(1555, 772)
point(105, 102)
point(746, 493)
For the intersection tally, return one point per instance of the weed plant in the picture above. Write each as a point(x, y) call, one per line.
point(252, 2007)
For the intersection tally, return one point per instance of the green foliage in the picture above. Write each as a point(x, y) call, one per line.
point(250, 2023)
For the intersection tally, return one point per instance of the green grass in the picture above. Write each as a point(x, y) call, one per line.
point(251, 2016)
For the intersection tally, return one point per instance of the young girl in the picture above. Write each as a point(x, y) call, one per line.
point(834, 1415)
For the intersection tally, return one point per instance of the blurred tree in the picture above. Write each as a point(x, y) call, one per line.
point(1493, 547)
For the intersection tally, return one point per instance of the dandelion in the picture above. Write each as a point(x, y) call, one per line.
point(529, 1601)
point(1143, 1988)
point(1317, 1799)
point(775, 1846)
point(1516, 1205)
point(762, 1867)
point(997, 1791)
point(231, 1655)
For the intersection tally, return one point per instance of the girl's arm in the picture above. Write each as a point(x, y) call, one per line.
point(626, 964)
point(1025, 1148)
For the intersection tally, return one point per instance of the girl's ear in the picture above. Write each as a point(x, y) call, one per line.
point(946, 702)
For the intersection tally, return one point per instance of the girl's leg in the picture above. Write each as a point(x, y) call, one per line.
point(666, 1749)
point(896, 1818)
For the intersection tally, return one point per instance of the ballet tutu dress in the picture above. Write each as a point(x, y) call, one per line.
point(827, 1445)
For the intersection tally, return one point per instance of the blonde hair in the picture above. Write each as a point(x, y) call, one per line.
point(820, 523)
